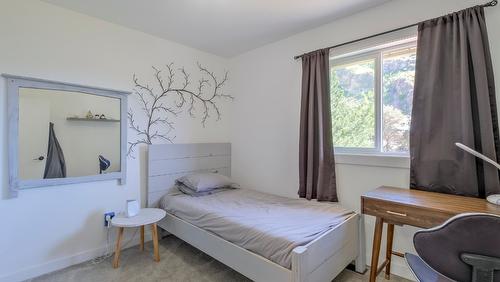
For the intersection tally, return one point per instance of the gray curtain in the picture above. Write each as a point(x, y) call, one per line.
point(454, 101)
point(55, 166)
point(316, 160)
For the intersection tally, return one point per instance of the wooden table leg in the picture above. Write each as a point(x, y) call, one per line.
point(141, 247)
point(155, 242)
point(377, 238)
point(116, 260)
point(388, 252)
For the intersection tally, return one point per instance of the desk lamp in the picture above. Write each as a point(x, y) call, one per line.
point(495, 198)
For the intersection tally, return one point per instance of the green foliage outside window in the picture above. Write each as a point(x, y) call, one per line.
point(353, 102)
point(353, 119)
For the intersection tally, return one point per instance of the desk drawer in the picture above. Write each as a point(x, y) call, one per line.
point(403, 214)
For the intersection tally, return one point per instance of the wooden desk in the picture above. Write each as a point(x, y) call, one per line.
point(399, 206)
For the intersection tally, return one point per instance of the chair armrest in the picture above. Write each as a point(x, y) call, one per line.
point(483, 267)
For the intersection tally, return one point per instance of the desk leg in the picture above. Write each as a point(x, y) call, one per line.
point(141, 247)
point(388, 252)
point(377, 238)
point(116, 260)
point(155, 242)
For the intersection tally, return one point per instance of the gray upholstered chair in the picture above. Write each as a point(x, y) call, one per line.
point(465, 248)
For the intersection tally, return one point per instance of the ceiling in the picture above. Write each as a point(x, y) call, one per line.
point(222, 27)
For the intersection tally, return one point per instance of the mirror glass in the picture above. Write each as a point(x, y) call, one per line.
point(67, 134)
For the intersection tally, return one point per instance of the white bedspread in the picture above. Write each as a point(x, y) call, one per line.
point(265, 224)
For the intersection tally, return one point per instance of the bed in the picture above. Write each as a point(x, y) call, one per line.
point(283, 252)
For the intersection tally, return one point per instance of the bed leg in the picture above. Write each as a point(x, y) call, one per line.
point(361, 258)
point(299, 264)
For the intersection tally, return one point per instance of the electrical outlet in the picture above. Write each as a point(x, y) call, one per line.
point(107, 218)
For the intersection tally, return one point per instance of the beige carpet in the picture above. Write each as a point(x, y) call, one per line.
point(179, 262)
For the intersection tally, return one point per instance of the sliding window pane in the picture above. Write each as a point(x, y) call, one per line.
point(352, 89)
point(398, 78)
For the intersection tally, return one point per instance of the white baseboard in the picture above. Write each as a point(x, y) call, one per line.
point(60, 263)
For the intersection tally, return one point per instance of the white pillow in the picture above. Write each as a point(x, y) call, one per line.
point(188, 191)
point(200, 182)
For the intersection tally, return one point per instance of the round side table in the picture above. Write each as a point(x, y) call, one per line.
point(145, 217)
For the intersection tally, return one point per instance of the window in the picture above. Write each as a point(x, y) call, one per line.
point(371, 99)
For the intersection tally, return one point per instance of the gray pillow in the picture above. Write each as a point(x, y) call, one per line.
point(201, 182)
point(186, 190)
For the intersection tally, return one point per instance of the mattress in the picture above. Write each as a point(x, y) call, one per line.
point(265, 224)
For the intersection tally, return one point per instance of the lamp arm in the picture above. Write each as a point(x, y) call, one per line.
point(477, 154)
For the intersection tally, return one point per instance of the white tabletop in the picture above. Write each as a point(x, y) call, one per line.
point(145, 216)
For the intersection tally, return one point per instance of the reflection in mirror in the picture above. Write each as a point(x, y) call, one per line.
point(67, 134)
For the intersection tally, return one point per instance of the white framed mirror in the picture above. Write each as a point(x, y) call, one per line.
point(62, 133)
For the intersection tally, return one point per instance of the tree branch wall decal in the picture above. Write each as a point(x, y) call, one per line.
point(161, 103)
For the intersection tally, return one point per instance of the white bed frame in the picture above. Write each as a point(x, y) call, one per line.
point(320, 260)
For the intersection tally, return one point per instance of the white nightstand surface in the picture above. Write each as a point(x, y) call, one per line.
point(145, 217)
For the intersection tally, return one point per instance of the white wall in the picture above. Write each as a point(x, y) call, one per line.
point(33, 136)
point(48, 228)
point(265, 125)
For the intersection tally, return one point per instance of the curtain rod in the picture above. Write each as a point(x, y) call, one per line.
point(489, 4)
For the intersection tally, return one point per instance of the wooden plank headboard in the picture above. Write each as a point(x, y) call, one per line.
point(167, 162)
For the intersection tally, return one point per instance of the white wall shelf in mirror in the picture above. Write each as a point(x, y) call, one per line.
point(50, 144)
point(92, 119)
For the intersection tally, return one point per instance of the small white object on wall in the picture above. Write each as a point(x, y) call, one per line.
point(132, 208)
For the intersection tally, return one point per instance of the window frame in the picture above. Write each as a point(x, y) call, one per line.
point(376, 53)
